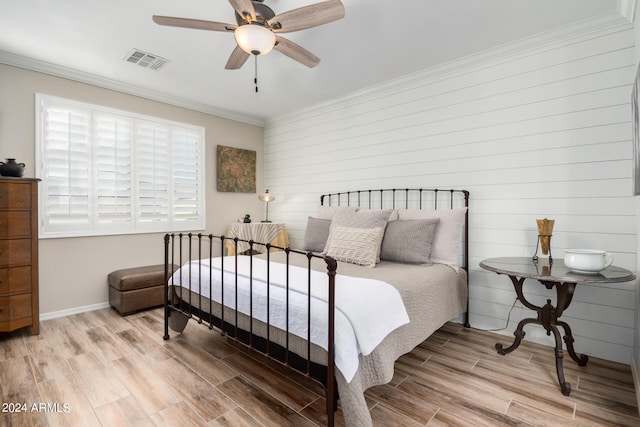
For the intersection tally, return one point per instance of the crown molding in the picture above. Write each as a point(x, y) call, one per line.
point(130, 89)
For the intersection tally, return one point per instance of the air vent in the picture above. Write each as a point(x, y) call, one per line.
point(146, 59)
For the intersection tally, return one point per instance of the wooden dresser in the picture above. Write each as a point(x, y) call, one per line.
point(19, 254)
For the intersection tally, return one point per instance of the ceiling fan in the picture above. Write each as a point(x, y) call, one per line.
point(257, 28)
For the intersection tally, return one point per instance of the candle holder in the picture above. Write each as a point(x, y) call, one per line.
point(545, 231)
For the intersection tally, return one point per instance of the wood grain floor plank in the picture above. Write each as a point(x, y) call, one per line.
point(261, 405)
point(456, 404)
point(472, 389)
point(55, 333)
point(529, 389)
point(209, 340)
point(610, 391)
point(235, 418)
point(116, 370)
point(203, 398)
point(287, 391)
point(144, 345)
point(459, 350)
point(403, 403)
point(96, 379)
point(49, 363)
point(278, 367)
point(538, 417)
point(601, 415)
point(123, 412)
point(316, 413)
point(212, 369)
point(152, 391)
point(12, 345)
point(465, 418)
point(108, 345)
point(383, 416)
point(69, 405)
point(18, 389)
point(180, 414)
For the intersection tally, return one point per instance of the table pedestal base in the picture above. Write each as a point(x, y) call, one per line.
point(548, 316)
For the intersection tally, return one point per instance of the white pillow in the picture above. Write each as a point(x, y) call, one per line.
point(447, 241)
point(355, 245)
point(327, 212)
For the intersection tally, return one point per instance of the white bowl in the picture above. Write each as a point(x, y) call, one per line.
point(587, 261)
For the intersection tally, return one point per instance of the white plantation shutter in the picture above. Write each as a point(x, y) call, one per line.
point(187, 192)
point(153, 162)
point(65, 194)
point(112, 161)
point(105, 171)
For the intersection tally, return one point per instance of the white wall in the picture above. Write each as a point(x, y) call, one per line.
point(540, 128)
point(73, 272)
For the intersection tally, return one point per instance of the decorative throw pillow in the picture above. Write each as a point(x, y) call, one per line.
point(446, 244)
point(409, 241)
point(355, 245)
point(360, 219)
point(327, 212)
point(316, 234)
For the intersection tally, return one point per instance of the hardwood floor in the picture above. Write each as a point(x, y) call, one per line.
point(99, 368)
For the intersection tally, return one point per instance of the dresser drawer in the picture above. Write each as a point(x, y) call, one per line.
point(15, 252)
point(15, 195)
point(14, 280)
point(15, 307)
point(15, 224)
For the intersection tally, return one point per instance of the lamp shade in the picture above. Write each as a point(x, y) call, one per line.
point(255, 39)
point(266, 197)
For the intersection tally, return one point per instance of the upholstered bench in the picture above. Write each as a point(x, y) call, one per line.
point(133, 289)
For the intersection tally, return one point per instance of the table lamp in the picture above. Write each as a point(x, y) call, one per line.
point(266, 197)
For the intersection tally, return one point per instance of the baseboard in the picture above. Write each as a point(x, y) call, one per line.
point(75, 310)
point(636, 382)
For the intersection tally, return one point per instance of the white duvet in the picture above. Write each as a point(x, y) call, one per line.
point(367, 310)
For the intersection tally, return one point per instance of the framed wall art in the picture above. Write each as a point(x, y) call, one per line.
point(236, 170)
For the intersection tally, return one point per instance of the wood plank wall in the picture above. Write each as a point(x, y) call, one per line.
point(541, 128)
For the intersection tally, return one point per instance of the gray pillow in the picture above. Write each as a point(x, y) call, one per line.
point(316, 234)
point(409, 241)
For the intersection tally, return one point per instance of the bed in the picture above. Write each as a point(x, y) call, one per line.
point(378, 272)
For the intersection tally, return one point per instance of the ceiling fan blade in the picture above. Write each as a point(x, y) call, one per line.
point(307, 16)
point(296, 52)
point(197, 24)
point(237, 59)
point(245, 9)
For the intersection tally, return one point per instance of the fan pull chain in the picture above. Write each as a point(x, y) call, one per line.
point(255, 79)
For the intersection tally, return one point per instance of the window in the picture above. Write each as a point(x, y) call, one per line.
point(107, 171)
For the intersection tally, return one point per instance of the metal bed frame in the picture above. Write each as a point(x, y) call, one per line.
point(183, 247)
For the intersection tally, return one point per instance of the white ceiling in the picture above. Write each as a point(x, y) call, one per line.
point(378, 40)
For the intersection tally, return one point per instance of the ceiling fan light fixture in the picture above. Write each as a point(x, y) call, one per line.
point(255, 39)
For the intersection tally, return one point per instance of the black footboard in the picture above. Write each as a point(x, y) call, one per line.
point(183, 299)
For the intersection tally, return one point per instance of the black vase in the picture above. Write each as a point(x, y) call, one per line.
point(11, 168)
